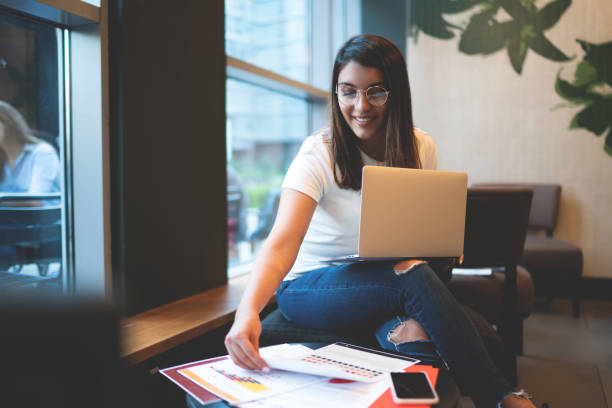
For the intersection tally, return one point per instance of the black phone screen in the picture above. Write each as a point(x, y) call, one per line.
point(411, 385)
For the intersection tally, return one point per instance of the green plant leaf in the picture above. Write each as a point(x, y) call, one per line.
point(517, 51)
point(550, 14)
point(481, 38)
point(585, 74)
point(490, 5)
point(608, 143)
point(545, 48)
point(562, 105)
point(593, 118)
point(571, 93)
point(527, 31)
point(516, 9)
point(600, 57)
point(574, 123)
point(586, 46)
point(427, 15)
point(529, 4)
point(457, 6)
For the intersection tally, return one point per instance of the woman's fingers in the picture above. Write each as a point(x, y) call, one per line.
point(242, 342)
point(244, 354)
point(252, 354)
point(237, 354)
point(239, 358)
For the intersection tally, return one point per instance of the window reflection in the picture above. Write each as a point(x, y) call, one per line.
point(30, 162)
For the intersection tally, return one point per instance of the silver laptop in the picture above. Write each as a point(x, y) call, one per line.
point(410, 213)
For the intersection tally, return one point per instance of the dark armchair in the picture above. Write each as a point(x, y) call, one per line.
point(496, 227)
point(554, 264)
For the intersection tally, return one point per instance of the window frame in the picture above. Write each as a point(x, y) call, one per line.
point(86, 210)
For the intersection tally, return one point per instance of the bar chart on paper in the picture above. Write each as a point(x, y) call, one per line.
point(247, 382)
point(234, 384)
point(341, 360)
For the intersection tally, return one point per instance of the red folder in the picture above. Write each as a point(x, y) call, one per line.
point(386, 401)
point(201, 394)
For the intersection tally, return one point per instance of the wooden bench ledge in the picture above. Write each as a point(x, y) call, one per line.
point(157, 330)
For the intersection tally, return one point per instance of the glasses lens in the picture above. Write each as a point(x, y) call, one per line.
point(377, 95)
point(347, 94)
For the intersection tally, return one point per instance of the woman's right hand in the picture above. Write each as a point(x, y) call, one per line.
point(242, 341)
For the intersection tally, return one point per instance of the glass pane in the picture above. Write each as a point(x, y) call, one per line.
point(272, 34)
point(264, 132)
point(31, 138)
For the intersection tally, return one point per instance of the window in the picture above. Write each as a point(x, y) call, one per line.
point(51, 74)
point(272, 34)
point(278, 72)
point(264, 131)
point(32, 159)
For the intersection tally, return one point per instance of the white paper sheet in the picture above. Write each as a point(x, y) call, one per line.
point(339, 360)
point(235, 384)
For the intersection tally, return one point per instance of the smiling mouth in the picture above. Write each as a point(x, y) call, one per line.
point(363, 120)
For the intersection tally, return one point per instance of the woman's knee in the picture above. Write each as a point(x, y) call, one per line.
point(405, 335)
point(406, 331)
point(406, 266)
point(400, 330)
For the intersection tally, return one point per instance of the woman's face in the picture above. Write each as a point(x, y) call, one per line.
point(364, 119)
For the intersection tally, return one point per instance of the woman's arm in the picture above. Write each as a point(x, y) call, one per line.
point(272, 264)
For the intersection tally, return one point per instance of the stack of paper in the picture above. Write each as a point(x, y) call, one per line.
point(332, 376)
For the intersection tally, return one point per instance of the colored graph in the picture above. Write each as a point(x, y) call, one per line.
point(248, 382)
point(349, 368)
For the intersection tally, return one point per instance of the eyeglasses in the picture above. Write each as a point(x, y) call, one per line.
point(376, 95)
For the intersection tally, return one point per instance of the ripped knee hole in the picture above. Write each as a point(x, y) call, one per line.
point(406, 265)
point(408, 330)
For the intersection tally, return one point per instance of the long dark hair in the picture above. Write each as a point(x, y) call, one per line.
point(16, 128)
point(401, 144)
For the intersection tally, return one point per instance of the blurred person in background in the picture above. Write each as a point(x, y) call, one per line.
point(27, 164)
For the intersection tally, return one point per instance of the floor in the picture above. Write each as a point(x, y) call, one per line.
point(28, 278)
point(567, 362)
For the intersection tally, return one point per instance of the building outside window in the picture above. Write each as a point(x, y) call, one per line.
point(32, 158)
point(279, 62)
point(271, 34)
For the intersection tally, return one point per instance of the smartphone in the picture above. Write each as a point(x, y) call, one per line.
point(413, 388)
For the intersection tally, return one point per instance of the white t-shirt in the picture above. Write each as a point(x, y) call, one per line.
point(37, 170)
point(334, 228)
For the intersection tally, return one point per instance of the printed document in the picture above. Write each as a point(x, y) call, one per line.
point(327, 377)
point(340, 360)
point(235, 384)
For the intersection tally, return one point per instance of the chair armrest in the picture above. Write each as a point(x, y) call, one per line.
point(28, 196)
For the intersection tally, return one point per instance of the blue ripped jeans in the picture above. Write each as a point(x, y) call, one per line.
point(373, 296)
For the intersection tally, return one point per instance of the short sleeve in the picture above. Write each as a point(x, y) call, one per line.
point(310, 171)
point(427, 150)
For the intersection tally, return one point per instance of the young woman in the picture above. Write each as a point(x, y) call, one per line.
point(27, 164)
point(405, 303)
